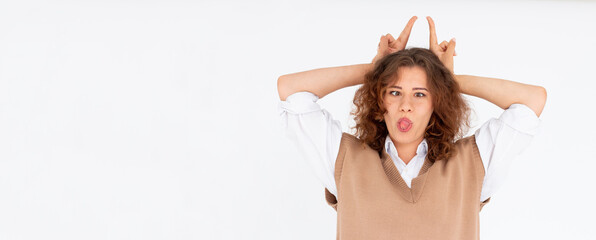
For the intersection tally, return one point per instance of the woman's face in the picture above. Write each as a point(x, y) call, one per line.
point(409, 106)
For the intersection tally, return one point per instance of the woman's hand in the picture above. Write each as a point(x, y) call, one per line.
point(445, 51)
point(389, 45)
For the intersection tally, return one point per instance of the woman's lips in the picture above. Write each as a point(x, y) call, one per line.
point(404, 124)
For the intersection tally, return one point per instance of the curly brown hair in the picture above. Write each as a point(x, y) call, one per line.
point(449, 120)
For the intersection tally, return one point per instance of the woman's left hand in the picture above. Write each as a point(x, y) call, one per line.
point(445, 51)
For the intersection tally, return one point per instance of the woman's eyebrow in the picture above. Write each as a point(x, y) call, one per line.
point(416, 88)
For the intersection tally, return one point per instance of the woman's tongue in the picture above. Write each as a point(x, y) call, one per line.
point(404, 124)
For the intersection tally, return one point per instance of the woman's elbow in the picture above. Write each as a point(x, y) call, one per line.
point(282, 87)
point(539, 99)
point(543, 91)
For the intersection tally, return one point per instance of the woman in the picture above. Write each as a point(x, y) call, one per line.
point(407, 172)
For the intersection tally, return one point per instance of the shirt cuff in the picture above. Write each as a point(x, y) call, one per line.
point(521, 118)
point(300, 103)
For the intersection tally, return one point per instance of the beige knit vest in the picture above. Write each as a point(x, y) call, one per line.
point(374, 202)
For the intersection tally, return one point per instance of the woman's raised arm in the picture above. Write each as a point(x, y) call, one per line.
point(500, 92)
point(321, 81)
point(326, 80)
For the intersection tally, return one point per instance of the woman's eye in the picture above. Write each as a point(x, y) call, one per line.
point(394, 93)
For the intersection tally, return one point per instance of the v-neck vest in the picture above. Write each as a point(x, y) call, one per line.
point(374, 202)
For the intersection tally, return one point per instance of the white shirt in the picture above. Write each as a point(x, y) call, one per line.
point(318, 136)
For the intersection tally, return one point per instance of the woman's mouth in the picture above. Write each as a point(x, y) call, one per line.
point(404, 124)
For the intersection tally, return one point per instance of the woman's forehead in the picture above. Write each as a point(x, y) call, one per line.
point(409, 82)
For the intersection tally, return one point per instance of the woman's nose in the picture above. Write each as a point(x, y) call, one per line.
point(405, 106)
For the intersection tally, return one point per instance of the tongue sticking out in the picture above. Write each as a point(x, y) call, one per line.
point(404, 124)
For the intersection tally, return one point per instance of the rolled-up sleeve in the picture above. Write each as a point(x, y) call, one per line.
point(501, 140)
point(314, 131)
point(521, 118)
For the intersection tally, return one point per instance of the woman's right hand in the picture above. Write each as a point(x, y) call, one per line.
point(389, 45)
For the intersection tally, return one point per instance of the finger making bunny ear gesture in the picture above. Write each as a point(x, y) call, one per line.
point(389, 45)
point(445, 51)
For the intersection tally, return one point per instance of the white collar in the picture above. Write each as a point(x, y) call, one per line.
point(420, 151)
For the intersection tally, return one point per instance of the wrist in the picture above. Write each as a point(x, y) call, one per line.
point(461, 81)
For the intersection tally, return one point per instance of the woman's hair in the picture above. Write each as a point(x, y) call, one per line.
point(449, 120)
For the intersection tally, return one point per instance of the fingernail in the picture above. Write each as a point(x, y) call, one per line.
point(453, 39)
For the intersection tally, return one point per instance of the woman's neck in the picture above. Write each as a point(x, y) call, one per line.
point(407, 151)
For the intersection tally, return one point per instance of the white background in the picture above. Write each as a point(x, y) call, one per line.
point(157, 119)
